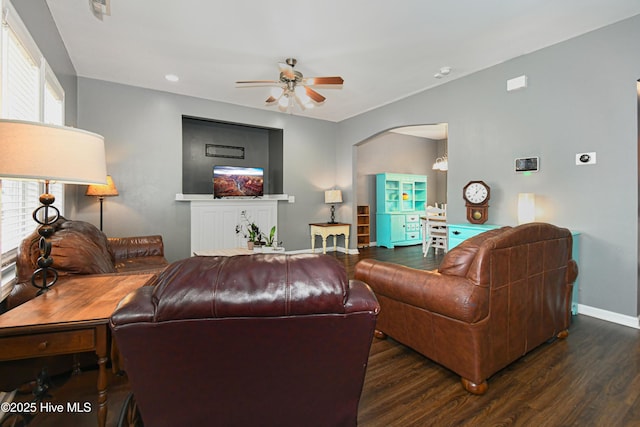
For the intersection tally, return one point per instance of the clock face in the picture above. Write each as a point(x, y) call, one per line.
point(476, 192)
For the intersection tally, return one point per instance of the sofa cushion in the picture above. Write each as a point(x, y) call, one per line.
point(77, 247)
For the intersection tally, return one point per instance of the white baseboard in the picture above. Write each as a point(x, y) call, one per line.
point(609, 316)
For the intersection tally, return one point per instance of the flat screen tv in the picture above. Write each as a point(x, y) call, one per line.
point(236, 181)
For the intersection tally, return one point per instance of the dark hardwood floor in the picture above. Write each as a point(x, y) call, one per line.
point(590, 379)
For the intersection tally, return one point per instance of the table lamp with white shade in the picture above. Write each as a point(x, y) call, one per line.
point(332, 197)
point(48, 153)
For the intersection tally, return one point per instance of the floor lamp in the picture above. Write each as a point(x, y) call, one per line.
point(102, 191)
point(47, 153)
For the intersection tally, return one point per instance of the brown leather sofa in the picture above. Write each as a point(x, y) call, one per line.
point(78, 247)
point(494, 298)
point(248, 340)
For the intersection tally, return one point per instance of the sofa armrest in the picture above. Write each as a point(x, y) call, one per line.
point(451, 296)
point(361, 298)
point(123, 248)
point(134, 308)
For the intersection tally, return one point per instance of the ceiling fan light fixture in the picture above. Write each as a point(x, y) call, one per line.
point(292, 89)
point(284, 101)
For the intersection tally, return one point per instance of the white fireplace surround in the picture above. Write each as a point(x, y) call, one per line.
point(213, 221)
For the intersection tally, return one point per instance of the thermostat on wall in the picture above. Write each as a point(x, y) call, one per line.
point(527, 164)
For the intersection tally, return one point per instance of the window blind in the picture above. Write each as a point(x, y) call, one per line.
point(29, 91)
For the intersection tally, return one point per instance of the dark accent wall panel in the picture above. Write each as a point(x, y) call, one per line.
point(262, 148)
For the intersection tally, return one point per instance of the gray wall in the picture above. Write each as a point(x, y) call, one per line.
point(581, 97)
point(143, 138)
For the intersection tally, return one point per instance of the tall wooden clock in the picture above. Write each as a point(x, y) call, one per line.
point(476, 196)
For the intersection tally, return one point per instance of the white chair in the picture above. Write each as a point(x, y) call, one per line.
point(435, 232)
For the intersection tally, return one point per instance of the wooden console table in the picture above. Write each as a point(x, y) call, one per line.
point(72, 317)
point(325, 229)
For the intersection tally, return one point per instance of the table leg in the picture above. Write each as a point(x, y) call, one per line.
point(324, 244)
point(101, 351)
point(313, 243)
point(346, 243)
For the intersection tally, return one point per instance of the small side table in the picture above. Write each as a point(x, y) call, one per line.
point(325, 229)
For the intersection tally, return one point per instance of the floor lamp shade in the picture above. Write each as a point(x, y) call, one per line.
point(99, 190)
point(35, 151)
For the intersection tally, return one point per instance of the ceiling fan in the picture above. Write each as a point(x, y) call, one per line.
point(293, 88)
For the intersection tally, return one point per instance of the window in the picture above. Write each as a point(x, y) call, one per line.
point(30, 91)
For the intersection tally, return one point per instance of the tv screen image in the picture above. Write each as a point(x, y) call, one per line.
point(235, 181)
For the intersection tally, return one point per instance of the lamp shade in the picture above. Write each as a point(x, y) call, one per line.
point(36, 151)
point(100, 190)
point(526, 208)
point(333, 196)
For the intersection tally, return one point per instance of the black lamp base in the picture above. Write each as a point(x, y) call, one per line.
point(333, 215)
point(45, 276)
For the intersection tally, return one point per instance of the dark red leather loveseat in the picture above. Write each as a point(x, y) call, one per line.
point(249, 340)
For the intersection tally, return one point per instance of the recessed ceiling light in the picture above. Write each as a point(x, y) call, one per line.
point(172, 77)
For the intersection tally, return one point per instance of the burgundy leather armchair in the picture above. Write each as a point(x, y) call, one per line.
point(268, 340)
point(494, 298)
point(78, 247)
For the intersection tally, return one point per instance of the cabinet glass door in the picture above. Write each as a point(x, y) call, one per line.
point(392, 196)
point(407, 196)
point(420, 196)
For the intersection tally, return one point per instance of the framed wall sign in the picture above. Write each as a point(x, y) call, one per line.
point(226, 151)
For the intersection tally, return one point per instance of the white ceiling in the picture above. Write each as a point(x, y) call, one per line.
point(384, 50)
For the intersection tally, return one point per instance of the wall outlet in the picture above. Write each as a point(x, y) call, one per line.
point(292, 199)
point(586, 158)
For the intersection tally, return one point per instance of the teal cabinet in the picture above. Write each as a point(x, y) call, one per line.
point(400, 201)
point(458, 233)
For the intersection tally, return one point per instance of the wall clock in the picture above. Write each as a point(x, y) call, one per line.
point(476, 195)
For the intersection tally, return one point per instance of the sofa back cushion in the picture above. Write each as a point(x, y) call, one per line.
point(508, 254)
point(77, 247)
point(250, 285)
point(458, 260)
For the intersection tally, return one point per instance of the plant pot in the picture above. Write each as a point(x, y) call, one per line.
point(250, 246)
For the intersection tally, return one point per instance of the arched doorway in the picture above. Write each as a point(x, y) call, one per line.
point(409, 150)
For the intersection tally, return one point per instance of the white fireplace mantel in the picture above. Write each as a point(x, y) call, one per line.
point(214, 221)
point(198, 197)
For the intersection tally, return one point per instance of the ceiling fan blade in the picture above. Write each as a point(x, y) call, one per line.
point(287, 70)
point(313, 81)
point(314, 95)
point(247, 83)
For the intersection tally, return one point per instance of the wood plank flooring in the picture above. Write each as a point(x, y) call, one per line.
point(590, 379)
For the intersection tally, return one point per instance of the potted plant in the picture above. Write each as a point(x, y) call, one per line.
point(271, 245)
point(249, 231)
